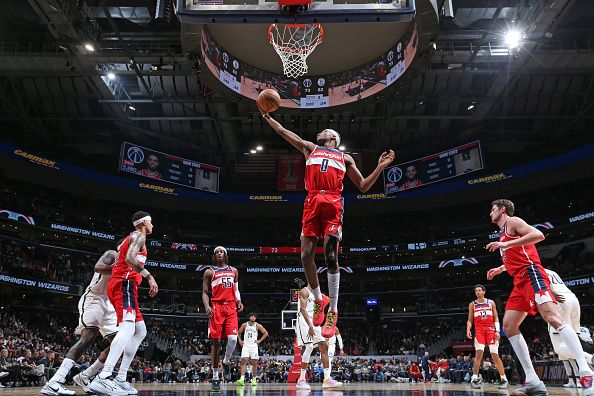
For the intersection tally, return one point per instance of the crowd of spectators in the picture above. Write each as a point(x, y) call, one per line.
point(53, 205)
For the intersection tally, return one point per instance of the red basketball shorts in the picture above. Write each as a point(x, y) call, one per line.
point(531, 288)
point(484, 337)
point(224, 320)
point(123, 295)
point(322, 215)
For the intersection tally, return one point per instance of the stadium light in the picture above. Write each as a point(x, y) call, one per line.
point(253, 151)
point(89, 47)
point(111, 76)
point(512, 39)
point(259, 148)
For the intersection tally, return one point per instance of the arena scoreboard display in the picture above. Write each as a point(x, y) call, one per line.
point(434, 168)
point(168, 168)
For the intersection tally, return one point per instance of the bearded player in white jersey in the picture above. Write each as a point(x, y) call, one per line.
point(249, 347)
point(569, 307)
point(309, 337)
point(96, 316)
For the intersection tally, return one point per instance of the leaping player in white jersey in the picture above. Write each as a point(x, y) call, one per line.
point(569, 308)
point(249, 347)
point(332, 341)
point(309, 337)
point(96, 316)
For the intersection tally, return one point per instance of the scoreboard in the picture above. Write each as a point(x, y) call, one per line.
point(168, 168)
point(454, 162)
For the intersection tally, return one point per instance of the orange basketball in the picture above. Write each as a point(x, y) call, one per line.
point(269, 100)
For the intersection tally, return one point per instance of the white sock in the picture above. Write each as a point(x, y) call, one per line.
point(242, 376)
point(327, 373)
point(119, 343)
point(63, 371)
point(215, 374)
point(503, 377)
point(575, 347)
point(302, 375)
point(575, 369)
point(333, 286)
point(130, 350)
point(317, 293)
point(569, 372)
point(93, 369)
point(474, 376)
point(521, 349)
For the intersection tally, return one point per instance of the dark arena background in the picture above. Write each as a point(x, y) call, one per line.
point(110, 107)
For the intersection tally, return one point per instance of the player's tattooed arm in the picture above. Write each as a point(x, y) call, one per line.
point(205, 290)
point(137, 241)
point(105, 263)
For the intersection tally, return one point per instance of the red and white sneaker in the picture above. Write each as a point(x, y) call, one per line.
point(330, 326)
point(331, 383)
point(319, 308)
point(303, 385)
point(586, 382)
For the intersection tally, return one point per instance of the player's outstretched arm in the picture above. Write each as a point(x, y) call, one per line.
point(295, 140)
point(264, 332)
point(137, 241)
point(105, 263)
point(205, 289)
point(470, 320)
point(365, 183)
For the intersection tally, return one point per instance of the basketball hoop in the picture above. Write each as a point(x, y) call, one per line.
point(294, 43)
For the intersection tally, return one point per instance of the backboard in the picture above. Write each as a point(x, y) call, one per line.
point(288, 319)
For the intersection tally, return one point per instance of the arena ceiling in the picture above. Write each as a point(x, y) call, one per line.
point(55, 96)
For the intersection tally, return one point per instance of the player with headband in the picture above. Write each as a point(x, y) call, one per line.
point(323, 210)
point(122, 291)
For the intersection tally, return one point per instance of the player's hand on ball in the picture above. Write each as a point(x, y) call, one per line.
point(239, 307)
point(386, 158)
point(209, 311)
point(153, 287)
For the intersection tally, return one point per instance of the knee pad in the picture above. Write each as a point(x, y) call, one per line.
point(140, 330)
point(232, 340)
point(306, 355)
point(330, 254)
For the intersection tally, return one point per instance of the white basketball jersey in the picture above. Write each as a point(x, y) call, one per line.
point(250, 336)
point(309, 308)
point(557, 285)
point(98, 286)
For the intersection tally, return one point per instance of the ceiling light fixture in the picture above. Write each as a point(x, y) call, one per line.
point(89, 47)
point(111, 76)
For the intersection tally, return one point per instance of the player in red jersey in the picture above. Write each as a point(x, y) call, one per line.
point(122, 290)
point(222, 281)
point(323, 210)
point(482, 313)
point(531, 293)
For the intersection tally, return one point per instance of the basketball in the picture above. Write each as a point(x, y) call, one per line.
point(269, 100)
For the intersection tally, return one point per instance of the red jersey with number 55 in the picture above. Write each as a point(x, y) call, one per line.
point(121, 269)
point(518, 259)
point(324, 170)
point(222, 284)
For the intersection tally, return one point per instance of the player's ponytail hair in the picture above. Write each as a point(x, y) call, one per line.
point(505, 203)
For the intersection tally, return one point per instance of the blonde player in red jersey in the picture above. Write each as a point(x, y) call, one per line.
point(482, 313)
point(222, 281)
point(531, 293)
point(122, 290)
point(323, 210)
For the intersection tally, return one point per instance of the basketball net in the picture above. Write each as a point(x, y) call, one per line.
point(294, 43)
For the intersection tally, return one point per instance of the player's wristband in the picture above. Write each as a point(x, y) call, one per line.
point(497, 327)
point(237, 294)
point(144, 273)
point(503, 268)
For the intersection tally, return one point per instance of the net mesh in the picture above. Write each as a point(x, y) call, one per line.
point(293, 44)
